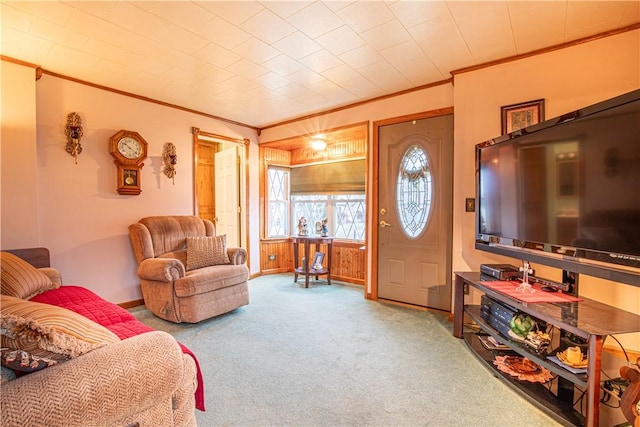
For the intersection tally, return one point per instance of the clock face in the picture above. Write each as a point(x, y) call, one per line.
point(129, 147)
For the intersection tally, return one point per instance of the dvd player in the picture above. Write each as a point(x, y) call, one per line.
point(499, 271)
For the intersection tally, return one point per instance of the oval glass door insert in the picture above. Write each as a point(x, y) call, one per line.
point(414, 190)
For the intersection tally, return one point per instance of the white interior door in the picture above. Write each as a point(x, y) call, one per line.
point(227, 185)
point(415, 208)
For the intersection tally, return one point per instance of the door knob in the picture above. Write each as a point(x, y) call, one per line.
point(384, 223)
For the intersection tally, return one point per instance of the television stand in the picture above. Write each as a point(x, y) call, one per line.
point(588, 319)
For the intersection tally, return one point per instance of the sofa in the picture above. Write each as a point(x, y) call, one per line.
point(83, 361)
point(187, 273)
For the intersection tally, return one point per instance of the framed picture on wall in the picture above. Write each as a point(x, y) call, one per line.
point(518, 116)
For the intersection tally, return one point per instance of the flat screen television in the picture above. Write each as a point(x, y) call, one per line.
point(569, 185)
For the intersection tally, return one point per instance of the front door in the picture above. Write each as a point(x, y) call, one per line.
point(415, 211)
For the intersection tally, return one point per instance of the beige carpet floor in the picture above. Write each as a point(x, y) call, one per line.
point(325, 356)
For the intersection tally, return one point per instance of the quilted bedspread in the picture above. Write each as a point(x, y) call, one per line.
point(111, 316)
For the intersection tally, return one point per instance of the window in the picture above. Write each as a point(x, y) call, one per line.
point(345, 214)
point(277, 201)
point(414, 190)
point(334, 192)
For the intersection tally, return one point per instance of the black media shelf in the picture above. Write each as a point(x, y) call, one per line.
point(579, 379)
point(585, 318)
point(540, 395)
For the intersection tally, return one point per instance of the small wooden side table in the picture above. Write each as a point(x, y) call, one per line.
point(307, 269)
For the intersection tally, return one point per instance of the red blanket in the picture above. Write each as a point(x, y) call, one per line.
point(111, 316)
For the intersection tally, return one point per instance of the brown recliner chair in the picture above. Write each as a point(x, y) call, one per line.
point(175, 285)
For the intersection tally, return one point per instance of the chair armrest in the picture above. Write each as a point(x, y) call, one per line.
point(237, 256)
point(161, 269)
point(102, 386)
point(53, 274)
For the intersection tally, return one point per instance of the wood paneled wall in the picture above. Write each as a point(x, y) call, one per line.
point(347, 263)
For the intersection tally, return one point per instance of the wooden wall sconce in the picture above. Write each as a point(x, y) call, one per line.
point(170, 160)
point(73, 130)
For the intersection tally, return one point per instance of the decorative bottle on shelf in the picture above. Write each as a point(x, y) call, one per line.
point(525, 286)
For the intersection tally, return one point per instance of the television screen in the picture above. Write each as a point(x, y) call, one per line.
point(569, 185)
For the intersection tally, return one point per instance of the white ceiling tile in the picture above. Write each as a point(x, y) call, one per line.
point(15, 18)
point(96, 27)
point(297, 45)
point(339, 96)
point(17, 44)
point(97, 9)
point(240, 84)
point(465, 10)
point(580, 22)
point(180, 60)
point(419, 71)
point(321, 60)
point(218, 55)
point(177, 38)
point(234, 12)
point(340, 40)
point(267, 26)
point(223, 33)
point(55, 12)
point(185, 14)
point(271, 80)
point(257, 50)
point(341, 73)
point(402, 52)
point(385, 76)
point(385, 35)
point(305, 77)
point(365, 15)
point(247, 69)
point(362, 88)
point(315, 20)
point(336, 5)
point(284, 9)
point(528, 17)
point(128, 15)
point(411, 13)
point(67, 58)
point(283, 65)
point(292, 89)
point(490, 38)
point(54, 32)
point(216, 75)
point(360, 56)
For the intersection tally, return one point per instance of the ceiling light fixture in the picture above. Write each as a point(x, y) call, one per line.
point(318, 144)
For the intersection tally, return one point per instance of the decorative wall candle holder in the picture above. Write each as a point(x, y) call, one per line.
point(73, 131)
point(170, 160)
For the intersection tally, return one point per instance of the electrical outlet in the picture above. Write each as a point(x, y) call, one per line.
point(272, 257)
point(465, 288)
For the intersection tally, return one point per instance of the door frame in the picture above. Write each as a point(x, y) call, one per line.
point(202, 136)
point(371, 291)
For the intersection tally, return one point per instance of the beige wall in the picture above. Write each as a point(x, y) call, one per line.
point(18, 151)
point(74, 210)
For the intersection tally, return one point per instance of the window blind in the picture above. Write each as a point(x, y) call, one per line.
point(329, 178)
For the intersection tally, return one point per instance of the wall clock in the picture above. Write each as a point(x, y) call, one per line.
point(129, 150)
